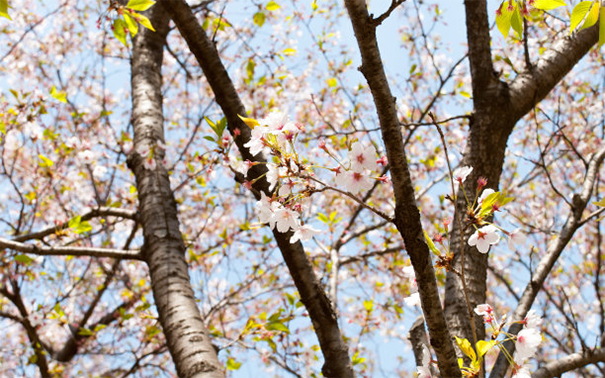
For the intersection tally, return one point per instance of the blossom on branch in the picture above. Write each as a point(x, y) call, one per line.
point(484, 237)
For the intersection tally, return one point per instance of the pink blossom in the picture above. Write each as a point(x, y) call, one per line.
point(532, 319)
point(484, 237)
point(515, 237)
point(528, 340)
point(362, 158)
point(462, 173)
point(304, 233)
point(486, 311)
point(521, 372)
point(284, 219)
point(355, 182)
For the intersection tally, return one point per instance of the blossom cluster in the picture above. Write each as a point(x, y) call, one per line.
point(292, 180)
point(527, 340)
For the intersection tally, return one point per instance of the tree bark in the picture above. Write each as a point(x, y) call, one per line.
point(498, 106)
point(186, 334)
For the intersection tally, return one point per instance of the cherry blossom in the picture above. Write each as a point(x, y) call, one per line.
point(303, 233)
point(484, 237)
point(462, 173)
point(516, 238)
point(528, 340)
point(362, 157)
point(486, 311)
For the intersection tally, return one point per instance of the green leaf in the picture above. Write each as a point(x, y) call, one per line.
point(516, 21)
point(602, 28)
point(577, 15)
point(259, 18)
point(600, 203)
point(208, 137)
point(45, 162)
point(119, 30)
point(85, 332)
point(4, 9)
point(272, 6)
point(79, 227)
point(251, 122)
point(466, 348)
point(140, 5)
point(131, 24)
point(58, 95)
point(592, 17)
point(23, 259)
point(548, 4)
point(232, 364)
point(483, 346)
point(144, 21)
point(503, 20)
point(277, 326)
point(431, 245)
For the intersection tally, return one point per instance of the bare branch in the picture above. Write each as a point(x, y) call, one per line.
point(71, 251)
point(574, 361)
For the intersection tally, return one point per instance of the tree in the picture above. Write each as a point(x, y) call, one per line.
point(351, 184)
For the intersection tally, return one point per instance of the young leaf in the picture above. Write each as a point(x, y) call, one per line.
point(4, 9)
point(259, 18)
point(592, 17)
point(23, 259)
point(119, 30)
point(503, 19)
point(272, 6)
point(548, 4)
point(466, 348)
point(251, 122)
point(144, 21)
point(431, 244)
point(58, 95)
point(483, 346)
point(516, 21)
point(578, 14)
point(46, 162)
point(131, 24)
point(140, 5)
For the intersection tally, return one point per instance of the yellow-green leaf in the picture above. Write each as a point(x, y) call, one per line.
point(602, 28)
point(431, 244)
point(516, 21)
point(289, 51)
point(548, 4)
point(119, 30)
point(131, 24)
point(592, 17)
point(251, 122)
point(259, 18)
point(503, 19)
point(45, 162)
point(332, 82)
point(578, 14)
point(23, 259)
point(466, 348)
point(144, 21)
point(600, 203)
point(368, 305)
point(483, 346)
point(140, 5)
point(232, 364)
point(272, 6)
point(4, 9)
point(58, 95)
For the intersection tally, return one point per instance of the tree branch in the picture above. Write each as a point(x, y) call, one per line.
point(407, 215)
point(94, 213)
point(530, 87)
point(571, 362)
point(313, 296)
point(71, 251)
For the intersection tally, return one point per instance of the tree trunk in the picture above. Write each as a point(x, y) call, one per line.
point(186, 335)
